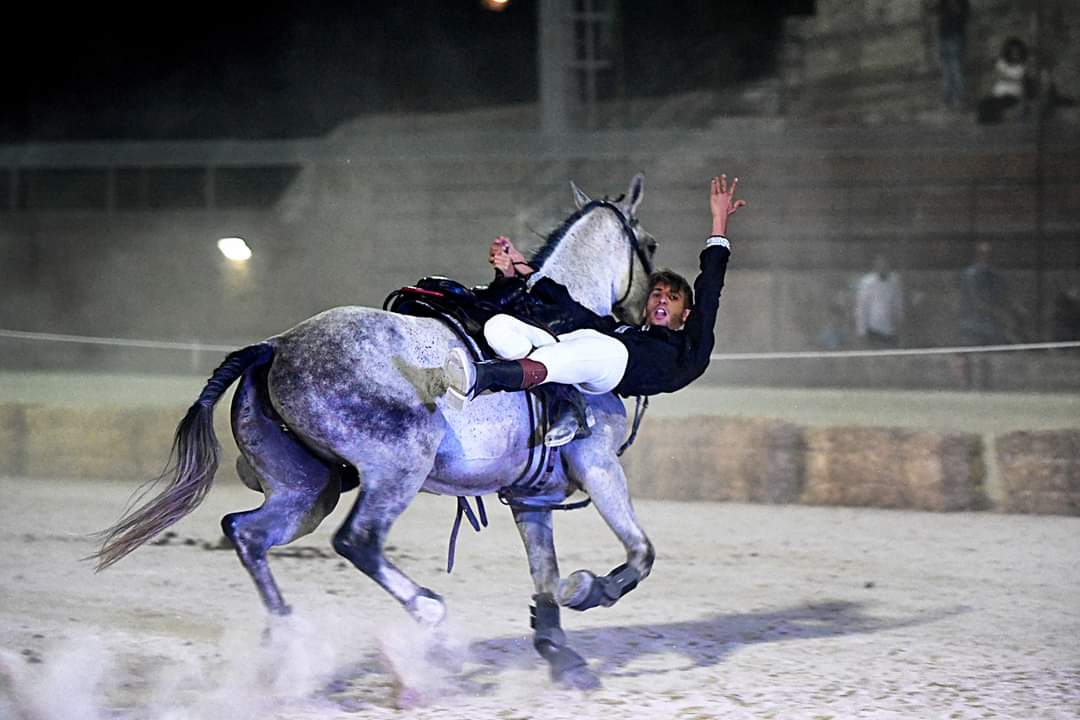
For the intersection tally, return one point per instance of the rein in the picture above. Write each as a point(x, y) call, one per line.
point(635, 247)
point(632, 239)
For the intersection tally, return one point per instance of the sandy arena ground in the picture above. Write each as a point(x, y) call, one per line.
point(751, 612)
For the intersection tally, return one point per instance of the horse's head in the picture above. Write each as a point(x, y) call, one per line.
point(602, 254)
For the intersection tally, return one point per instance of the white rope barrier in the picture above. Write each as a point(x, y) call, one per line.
point(898, 352)
point(118, 342)
point(798, 355)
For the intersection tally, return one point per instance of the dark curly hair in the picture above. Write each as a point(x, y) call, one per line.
point(673, 280)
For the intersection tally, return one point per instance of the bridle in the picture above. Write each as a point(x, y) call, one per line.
point(632, 239)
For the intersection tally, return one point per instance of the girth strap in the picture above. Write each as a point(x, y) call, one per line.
point(463, 508)
point(538, 502)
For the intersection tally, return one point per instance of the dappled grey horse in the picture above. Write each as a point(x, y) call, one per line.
point(356, 397)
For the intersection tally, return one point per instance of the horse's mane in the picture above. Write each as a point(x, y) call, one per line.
point(540, 256)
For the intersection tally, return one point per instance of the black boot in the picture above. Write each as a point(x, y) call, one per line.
point(466, 379)
point(508, 375)
point(572, 418)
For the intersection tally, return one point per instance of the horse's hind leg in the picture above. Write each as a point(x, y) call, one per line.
point(567, 667)
point(385, 492)
point(300, 488)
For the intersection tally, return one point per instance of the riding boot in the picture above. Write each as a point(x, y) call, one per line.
point(508, 375)
point(466, 379)
point(572, 416)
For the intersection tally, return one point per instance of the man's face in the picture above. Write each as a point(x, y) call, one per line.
point(666, 307)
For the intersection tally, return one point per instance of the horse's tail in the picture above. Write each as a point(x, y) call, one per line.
point(193, 461)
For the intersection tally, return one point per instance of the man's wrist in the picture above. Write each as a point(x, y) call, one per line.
point(717, 239)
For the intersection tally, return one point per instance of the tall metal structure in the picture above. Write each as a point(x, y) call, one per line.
point(578, 48)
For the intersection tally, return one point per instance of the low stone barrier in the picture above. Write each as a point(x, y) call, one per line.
point(894, 468)
point(694, 458)
point(1040, 471)
point(94, 442)
point(717, 458)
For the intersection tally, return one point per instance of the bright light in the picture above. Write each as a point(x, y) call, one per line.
point(496, 5)
point(234, 248)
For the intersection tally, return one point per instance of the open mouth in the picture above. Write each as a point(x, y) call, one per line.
point(660, 314)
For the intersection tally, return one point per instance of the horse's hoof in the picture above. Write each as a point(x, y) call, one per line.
point(573, 590)
point(427, 609)
point(578, 678)
point(408, 699)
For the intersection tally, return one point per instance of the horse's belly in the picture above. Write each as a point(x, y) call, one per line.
point(484, 445)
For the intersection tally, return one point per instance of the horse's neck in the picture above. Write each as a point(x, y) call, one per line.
point(588, 263)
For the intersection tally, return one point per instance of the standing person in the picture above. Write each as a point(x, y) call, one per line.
point(879, 306)
point(952, 41)
point(1011, 84)
point(668, 351)
point(1067, 314)
point(983, 303)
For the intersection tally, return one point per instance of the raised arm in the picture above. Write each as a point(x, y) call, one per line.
point(722, 203)
point(714, 258)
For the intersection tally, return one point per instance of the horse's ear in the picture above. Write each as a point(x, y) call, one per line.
point(635, 193)
point(580, 198)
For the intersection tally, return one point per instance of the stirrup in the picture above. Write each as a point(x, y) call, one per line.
point(460, 378)
point(562, 432)
point(569, 428)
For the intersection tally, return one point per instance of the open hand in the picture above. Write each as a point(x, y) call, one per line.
point(722, 203)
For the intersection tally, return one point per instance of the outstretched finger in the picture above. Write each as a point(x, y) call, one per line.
point(715, 185)
point(733, 184)
point(737, 204)
point(723, 183)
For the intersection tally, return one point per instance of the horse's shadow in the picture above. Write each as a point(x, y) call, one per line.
point(627, 650)
point(614, 650)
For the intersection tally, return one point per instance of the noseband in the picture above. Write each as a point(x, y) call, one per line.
point(632, 239)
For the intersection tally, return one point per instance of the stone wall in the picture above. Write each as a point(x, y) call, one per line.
point(717, 459)
point(706, 458)
point(892, 467)
point(95, 442)
point(823, 203)
point(1040, 471)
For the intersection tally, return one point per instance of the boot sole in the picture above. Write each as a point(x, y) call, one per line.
point(456, 368)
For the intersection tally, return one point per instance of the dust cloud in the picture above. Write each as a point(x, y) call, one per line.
point(298, 663)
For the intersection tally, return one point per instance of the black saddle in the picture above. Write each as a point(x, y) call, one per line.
point(463, 309)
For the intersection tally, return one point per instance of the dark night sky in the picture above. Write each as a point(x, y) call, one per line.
point(292, 68)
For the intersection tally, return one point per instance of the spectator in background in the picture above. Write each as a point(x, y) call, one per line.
point(879, 306)
point(984, 303)
point(1013, 84)
point(1067, 314)
point(834, 336)
point(952, 41)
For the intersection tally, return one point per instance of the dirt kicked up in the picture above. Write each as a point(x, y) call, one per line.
point(752, 611)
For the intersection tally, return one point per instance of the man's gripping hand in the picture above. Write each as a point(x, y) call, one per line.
point(503, 256)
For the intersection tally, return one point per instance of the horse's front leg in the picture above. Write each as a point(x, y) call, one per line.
point(595, 467)
point(567, 667)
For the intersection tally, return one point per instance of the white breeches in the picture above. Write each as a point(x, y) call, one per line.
point(587, 359)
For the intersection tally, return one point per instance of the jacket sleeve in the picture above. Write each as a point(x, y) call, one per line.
point(707, 286)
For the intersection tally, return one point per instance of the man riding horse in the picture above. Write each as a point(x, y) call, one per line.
point(667, 352)
point(356, 398)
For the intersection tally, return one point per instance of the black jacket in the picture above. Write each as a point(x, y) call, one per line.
point(660, 360)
